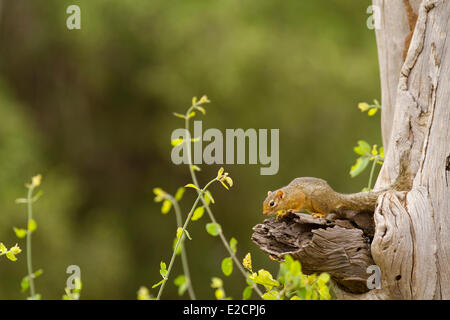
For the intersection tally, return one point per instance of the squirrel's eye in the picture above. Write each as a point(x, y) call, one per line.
point(272, 203)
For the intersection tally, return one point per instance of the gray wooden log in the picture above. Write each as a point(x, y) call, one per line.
point(337, 246)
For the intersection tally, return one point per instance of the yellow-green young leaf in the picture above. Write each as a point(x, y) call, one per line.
point(381, 150)
point(166, 206)
point(179, 194)
point(359, 166)
point(143, 293)
point(195, 168)
point(181, 283)
point(372, 112)
point(204, 99)
point(208, 197)
point(216, 283)
point(3, 249)
point(226, 187)
point(264, 277)
point(176, 142)
point(324, 277)
point(158, 284)
point(220, 294)
point(220, 172)
point(227, 266)
point(174, 245)
point(37, 296)
point(363, 106)
point(179, 115)
point(247, 262)
point(32, 225)
point(194, 100)
point(374, 150)
point(271, 295)
point(20, 233)
point(11, 256)
point(365, 147)
point(247, 293)
point(190, 115)
point(201, 109)
point(190, 185)
point(233, 244)
point(198, 213)
point(15, 250)
point(25, 284)
point(296, 298)
point(179, 232)
point(213, 229)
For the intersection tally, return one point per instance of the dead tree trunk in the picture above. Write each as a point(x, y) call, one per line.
point(411, 239)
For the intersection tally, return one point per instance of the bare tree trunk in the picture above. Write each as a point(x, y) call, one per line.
point(411, 244)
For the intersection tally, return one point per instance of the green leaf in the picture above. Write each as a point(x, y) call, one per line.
point(365, 147)
point(25, 284)
point(363, 106)
point(213, 229)
point(179, 232)
point(216, 283)
point(3, 249)
point(181, 283)
point(190, 185)
point(11, 256)
point(176, 142)
point(247, 293)
point(179, 115)
point(264, 277)
point(324, 277)
point(227, 266)
point(174, 245)
point(220, 294)
point(233, 244)
point(32, 225)
point(190, 115)
point(20, 233)
point(179, 194)
point(359, 166)
point(158, 284)
point(166, 206)
point(198, 213)
point(271, 295)
point(163, 270)
point(208, 197)
point(372, 112)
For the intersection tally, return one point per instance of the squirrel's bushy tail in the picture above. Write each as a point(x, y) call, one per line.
point(366, 201)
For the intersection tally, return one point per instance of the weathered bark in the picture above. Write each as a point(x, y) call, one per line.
point(338, 247)
point(411, 244)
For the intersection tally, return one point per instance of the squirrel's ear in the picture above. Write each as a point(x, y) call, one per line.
point(269, 192)
point(280, 194)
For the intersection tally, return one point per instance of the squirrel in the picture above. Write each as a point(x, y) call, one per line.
point(316, 197)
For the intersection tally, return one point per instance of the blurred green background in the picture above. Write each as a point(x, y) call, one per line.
point(91, 110)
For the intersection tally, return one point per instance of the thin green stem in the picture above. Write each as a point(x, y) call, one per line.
point(371, 173)
point(211, 215)
point(184, 259)
point(182, 237)
point(29, 256)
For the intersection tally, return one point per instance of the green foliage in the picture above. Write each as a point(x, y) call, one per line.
point(73, 294)
point(11, 253)
point(366, 152)
point(213, 229)
point(291, 282)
